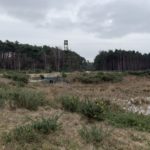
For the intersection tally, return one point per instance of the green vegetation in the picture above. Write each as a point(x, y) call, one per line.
point(25, 98)
point(121, 60)
point(129, 120)
point(92, 135)
point(17, 76)
point(46, 126)
point(2, 102)
point(106, 111)
point(32, 132)
point(70, 103)
point(140, 73)
point(37, 59)
point(22, 134)
point(21, 98)
point(64, 75)
point(92, 110)
point(89, 78)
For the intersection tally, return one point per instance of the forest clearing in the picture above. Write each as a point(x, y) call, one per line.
point(94, 110)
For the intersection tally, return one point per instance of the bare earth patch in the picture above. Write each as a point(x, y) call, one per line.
point(68, 138)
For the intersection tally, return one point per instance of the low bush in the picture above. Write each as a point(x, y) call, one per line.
point(25, 98)
point(140, 73)
point(89, 78)
point(110, 77)
point(2, 102)
point(92, 135)
point(129, 120)
point(22, 98)
point(32, 132)
point(17, 76)
point(92, 110)
point(22, 134)
point(64, 75)
point(46, 126)
point(70, 103)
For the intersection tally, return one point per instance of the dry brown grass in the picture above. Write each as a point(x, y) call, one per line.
point(68, 137)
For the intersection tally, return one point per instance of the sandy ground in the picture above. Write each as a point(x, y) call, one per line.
point(131, 88)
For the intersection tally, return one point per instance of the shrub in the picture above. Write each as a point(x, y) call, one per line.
point(140, 73)
point(26, 98)
point(92, 135)
point(100, 77)
point(70, 103)
point(46, 126)
point(64, 75)
point(110, 77)
point(17, 76)
point(22, 134)
point(92, 110)
point(23, 98)
point(42, 76)
point(2, 102)
point(129, 120)
point(32, 132)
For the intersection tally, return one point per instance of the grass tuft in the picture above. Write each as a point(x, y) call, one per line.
point(22, 98)
point(92, 110)
point(46, 126)
point(70, 103)
point(92, 134)
point(129, 120)
point(95, 78)
point(21, 78)
point(32, 133)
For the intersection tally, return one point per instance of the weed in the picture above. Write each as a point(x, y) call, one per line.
point(64, 75)
point(139, 73)
point(24, 98)
point(31, 133)
point(2, 102)
point(17, 76)
point(46, 126)
point(70, 103)
point(100, 77)
point(22, 134)
point(129, 120)
point(92, 135)
point(92, 110)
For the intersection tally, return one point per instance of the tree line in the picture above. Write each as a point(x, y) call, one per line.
point(17, 56)
point(121, 60)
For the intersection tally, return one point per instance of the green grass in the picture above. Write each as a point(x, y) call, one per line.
point(2, 102)
point(106, 111)
point(46, 126)
point(90, 109)
point(26, 98)
point(33, 132)
point(70, 103)
point(89, 78)
point(22, 134)
point(92, 134)
point(22, 98)
point(21, 78)
point(129, 120)
point(140, 73)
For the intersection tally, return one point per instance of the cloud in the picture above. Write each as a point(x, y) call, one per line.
point(115, 18)
point(33, 10)
point(105, 18)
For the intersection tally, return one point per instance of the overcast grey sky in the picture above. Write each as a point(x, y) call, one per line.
point(89, 25)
